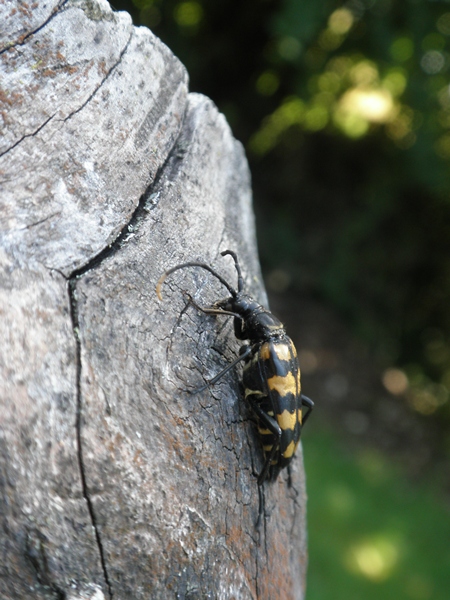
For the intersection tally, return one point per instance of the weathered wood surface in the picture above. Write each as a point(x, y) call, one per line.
point(115, 482)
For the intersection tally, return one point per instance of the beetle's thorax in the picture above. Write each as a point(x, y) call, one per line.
point(259, 324)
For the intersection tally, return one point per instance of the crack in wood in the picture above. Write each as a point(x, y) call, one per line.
point(25, 37)
point(76, 325)
point(144, 206)
point(84, 104)
point(132, 225)
point(27, 135)
point(102, 82)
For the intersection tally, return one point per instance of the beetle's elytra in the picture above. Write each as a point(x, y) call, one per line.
point(271, 374)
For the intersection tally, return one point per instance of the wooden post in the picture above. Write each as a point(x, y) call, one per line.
point(115, 481)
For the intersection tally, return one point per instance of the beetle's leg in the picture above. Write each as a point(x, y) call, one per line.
point(239, 328)
point(273, 426)
point(289, 481)
point(262, 504)
point(209, 310)
point(243, 356)
point(310, 405)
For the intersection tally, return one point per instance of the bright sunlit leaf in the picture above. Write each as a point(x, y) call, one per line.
point(374, 558)
point(340, 21)
point(376, 106)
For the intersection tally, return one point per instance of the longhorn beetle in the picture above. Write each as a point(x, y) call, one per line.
point(271, 371)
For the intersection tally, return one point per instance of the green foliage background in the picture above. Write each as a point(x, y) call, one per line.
point(372, 535)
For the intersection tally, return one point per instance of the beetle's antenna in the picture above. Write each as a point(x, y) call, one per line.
point(193, 264)
point(238, 268)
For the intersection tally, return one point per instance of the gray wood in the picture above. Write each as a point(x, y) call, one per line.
point(115, 481)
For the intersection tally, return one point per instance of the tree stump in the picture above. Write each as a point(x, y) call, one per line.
point(115, 481)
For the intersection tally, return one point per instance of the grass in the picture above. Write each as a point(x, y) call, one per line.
point(372, 534)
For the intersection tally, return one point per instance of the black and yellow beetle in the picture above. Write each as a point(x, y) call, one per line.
point(271, 371)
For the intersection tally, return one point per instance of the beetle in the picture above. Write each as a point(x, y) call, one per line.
point(271, 372)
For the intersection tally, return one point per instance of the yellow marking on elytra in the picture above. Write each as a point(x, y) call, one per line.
point(285, 351)
point(287, 420)
point(289, 452)
point(299, 415)
point(251, 361)
point(268, 448)
point(284, 385)
point(265, 351)
point(299, 385)
point(264, 431)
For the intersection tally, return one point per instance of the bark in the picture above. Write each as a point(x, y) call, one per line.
point(115, 481)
